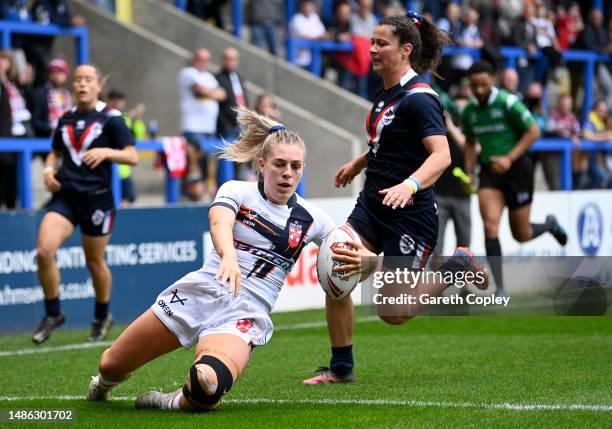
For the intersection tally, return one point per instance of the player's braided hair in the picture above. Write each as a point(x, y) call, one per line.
point(257, 134)
point(427, 40)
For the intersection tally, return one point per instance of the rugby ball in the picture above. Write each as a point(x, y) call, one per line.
point(331, 282)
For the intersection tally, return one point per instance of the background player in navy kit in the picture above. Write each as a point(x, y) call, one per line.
point(395, 213)
point(87, 140)
point(258, 230)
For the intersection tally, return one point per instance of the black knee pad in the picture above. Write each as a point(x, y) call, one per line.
point(197, 395)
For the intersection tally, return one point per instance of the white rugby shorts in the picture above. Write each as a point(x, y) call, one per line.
point(197, 305)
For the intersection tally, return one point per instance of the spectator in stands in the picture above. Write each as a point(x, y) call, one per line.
point(524, 36)
point(509, 80)
point(200, 95)
point(533, 101)
point(568, 25)
point(38, 48)
point(389, 8)
point(363, 22)
point(563, 123)
point(213, 12)
point(21, 118)
point(339, 26)
point(8, 167)
point(339, 30)
point(451, 21)
point(265, 105)
point(306, 24)
point(547, 43)
point(135, 123)
point(595, 37)
point(596, 129)
point(468, 37)
point(15, 10)
point(497, 18)
point(52, 99)
point(266, 19)
point(231, 82)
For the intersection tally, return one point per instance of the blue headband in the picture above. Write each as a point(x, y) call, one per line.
point(416, 17)
point(276, 128)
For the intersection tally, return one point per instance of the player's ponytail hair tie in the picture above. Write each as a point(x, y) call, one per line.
point(276, 128)
point(416, 18)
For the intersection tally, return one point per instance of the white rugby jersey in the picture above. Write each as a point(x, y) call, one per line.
point(268, 237)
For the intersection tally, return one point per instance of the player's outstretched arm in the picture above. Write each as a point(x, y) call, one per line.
point(221, 221)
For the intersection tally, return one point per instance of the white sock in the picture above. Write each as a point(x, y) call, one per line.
point(175, 402)
point(106, 384)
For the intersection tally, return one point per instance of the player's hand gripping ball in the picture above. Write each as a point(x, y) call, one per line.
point(331, 281)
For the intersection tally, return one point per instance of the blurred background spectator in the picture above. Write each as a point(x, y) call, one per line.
point(595, 129)
point(134, 120)
point(266, 18)
point(265, 105)
point(52, 99)
point(16, 121)
point(200, 94)
point(524, 36)
point(562, 122)
point(229, 79)
point(306, 24)
point(38, 48)
point(509, 80)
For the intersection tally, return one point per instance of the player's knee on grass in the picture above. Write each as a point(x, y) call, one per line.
point(209, 379)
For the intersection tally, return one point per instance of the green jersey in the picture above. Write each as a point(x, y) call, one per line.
point(499, 125)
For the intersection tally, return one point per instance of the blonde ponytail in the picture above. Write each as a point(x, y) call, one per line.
point(257, 134)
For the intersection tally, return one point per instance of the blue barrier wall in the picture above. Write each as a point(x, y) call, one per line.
point(149, 250)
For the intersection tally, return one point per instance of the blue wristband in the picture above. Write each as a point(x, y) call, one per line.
point(414, 183)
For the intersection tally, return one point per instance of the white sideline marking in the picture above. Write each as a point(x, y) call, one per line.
point(56, 348)
point(383, 402)
point(32, 351)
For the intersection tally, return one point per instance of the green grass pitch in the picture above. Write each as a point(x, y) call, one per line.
point(510, 372)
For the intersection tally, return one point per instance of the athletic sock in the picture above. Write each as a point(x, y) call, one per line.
point(101, 310)
point(539, 229)
point(52, 307)
point(105, 384)
point(494, 254)
point(342, 360)
point(175, 402)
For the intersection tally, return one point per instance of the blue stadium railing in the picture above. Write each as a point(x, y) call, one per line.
point(25, 148)
point(81, 35)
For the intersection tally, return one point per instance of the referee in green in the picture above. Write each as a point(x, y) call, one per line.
point(505, 130)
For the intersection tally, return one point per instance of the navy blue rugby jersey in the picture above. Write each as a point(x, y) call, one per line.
point(401, 117)
point(77, 132)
